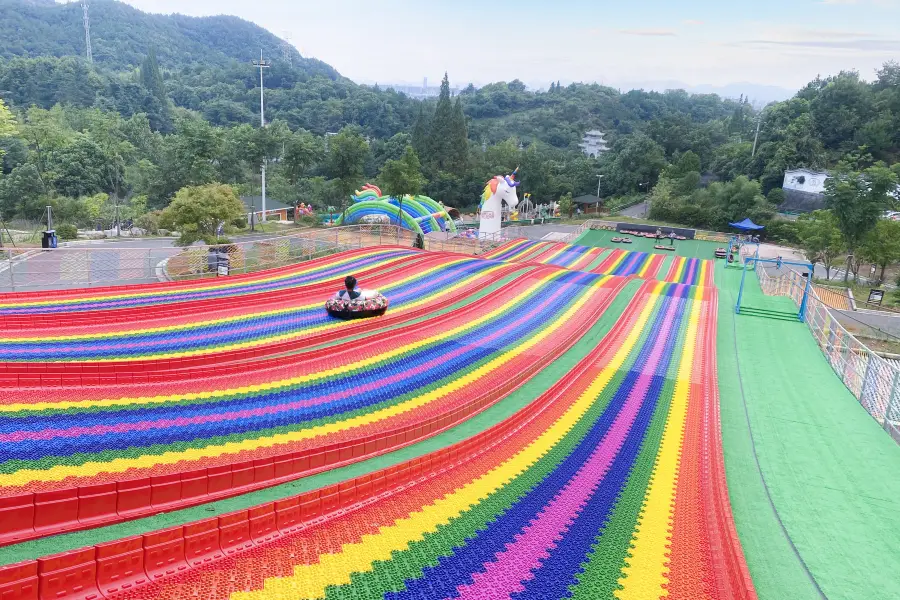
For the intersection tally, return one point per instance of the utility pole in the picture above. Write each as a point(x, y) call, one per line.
point(87, 30)
point(599, 179)
point(756, 139)
point(262, 64)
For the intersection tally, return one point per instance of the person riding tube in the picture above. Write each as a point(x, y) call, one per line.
point(356, 303)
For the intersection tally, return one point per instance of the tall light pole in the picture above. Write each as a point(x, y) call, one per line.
point(599, 178)
point(262, 64)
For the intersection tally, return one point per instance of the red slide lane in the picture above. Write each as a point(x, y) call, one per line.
point(163, 315)
point(237, 375)
point(175, 285)
point(210, 307)
point(50, 374)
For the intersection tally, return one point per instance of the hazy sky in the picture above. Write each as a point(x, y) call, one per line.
point(776, 42)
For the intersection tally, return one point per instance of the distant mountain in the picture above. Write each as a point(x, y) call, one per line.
point(759, 94)
point(121, 36)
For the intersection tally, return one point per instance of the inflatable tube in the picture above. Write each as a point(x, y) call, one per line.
point(372, 305)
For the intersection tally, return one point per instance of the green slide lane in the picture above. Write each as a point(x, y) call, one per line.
point(664, 269)
point(814, 481)
point(480, 422)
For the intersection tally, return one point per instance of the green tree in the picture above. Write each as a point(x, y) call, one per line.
point(7, 124)
point(820, 238)
point(537, 174)
point(881, 246)
point(633, 165)
point(857, 200)
point(665, 205)
point(567, 205)
point(189, 158)
point(347, 154)
point(447, 143)
point(81, 168)
point(441, 130)
point(197, 212)
point(840, 109)
point(403, 176)
point(420, 134)
point(458, 145)
point(775, 196)
point(301, 151)
point(151, 78)
point(21, 189)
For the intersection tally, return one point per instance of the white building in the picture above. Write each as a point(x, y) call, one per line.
point(593, 144)
point(805, 180)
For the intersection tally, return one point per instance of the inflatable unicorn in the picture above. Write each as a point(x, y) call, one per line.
point(498, 190)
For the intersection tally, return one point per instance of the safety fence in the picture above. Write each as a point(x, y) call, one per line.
point(874, 381)
point(837, 298)
point(117, 263)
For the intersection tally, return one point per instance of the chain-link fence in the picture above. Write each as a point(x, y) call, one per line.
point(874, 381)
point(121, 263)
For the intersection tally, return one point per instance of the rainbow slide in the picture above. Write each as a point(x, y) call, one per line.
point(557, 440)
point(691, 271)
point(624, 262)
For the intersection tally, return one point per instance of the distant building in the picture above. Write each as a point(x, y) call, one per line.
point(805, 180)
point(593, 143)
point(422, 92)
point(804, 190)
point(275, 210)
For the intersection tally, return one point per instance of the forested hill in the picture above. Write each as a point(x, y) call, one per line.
point(121, 36)
point(173, 101)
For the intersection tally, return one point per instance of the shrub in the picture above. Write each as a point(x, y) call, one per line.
point(67, 231)
point(784, 232)
point(149, 222)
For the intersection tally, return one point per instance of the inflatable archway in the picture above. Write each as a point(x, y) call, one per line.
point(420, 214)
point(382, 209)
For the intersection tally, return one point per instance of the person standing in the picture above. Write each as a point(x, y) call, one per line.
point(672, 237)
point(658, 235)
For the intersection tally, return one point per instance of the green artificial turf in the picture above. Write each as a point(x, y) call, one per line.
point(819, 513)
point(688, 248)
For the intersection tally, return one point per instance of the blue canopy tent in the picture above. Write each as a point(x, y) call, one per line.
point(747, 225)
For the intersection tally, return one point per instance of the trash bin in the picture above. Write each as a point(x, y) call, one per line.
point(218, 261)
point(49, 239)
